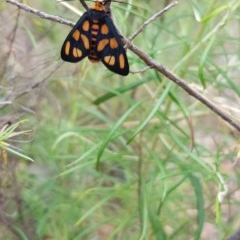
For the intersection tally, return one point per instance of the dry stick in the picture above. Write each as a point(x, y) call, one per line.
point(151, 19)
point(41, 14)
point(148, 60)
point(12, 38)
point(84, 4)
point(180, 82)
point(144, 25)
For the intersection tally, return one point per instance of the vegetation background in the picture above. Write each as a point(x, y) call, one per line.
point(167, 166)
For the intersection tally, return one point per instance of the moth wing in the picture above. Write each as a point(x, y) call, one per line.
point(77, 44)
point(109, 48)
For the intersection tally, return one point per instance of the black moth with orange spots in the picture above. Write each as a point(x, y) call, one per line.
point(95, 36)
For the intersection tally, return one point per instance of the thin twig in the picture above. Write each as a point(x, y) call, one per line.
point(151, 19)
point(11, 40)
point(70, 7)
point(149, 61)
point(84, 4)
point(180, 82)
point(107, 7)
point(40, 13)
point(141, 70)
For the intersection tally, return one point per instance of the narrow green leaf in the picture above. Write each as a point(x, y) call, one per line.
point(152, 113)
point(200, 205)
point(215, 12)
point(203, 61)
point(113, 131)
point(118, 91)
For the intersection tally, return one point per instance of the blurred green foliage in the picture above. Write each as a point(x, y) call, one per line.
point(121, 157)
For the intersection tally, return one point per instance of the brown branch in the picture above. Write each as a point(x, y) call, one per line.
point(151, 19)
point(149, 61)
point(84, 4)
point(181, 83)
point(12, 38)
point(40, 13)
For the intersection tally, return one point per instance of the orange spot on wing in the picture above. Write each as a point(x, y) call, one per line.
point(110, 60)
point(121, 61)
point(113, 43)
point(86, 26)
point(77, 53)
point(104, 29)
point(67, 47)
point(85, 41)
point(102, 44)
point(76, 35)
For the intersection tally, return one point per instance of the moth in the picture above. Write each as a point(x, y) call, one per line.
point(96, 37)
